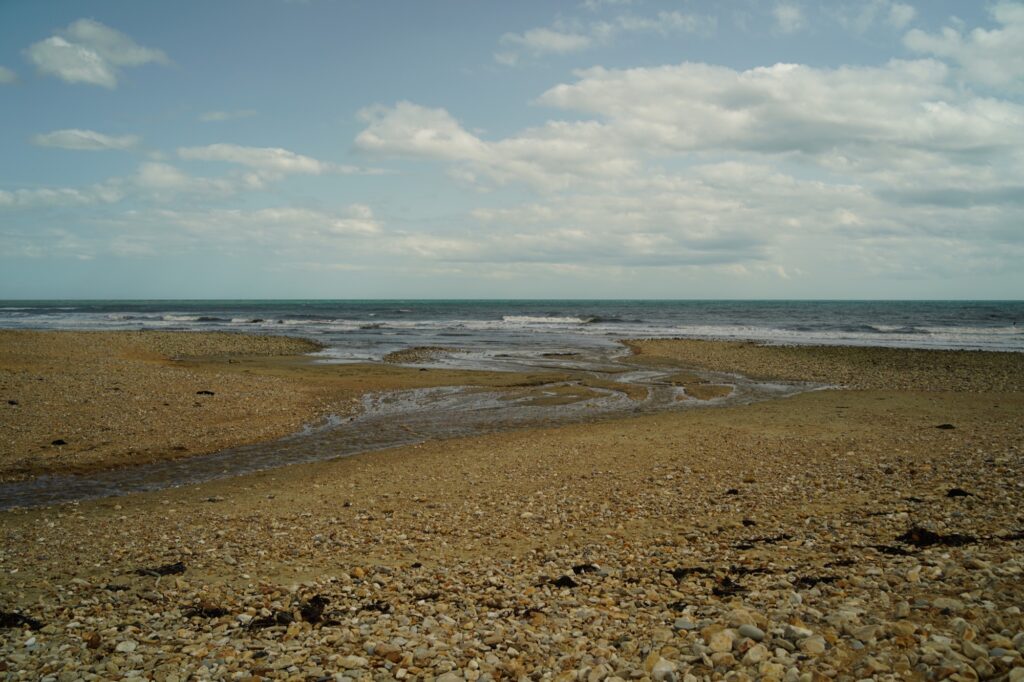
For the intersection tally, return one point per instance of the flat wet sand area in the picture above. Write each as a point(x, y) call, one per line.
point(381, 419)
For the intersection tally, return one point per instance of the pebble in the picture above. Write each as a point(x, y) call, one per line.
point(752, 631)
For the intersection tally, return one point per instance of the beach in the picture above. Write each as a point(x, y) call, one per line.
point(868, 530)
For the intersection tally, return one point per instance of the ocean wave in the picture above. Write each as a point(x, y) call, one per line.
point(530, 319)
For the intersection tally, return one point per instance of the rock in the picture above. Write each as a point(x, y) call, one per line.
point(584, 568)
point(722, 640)
point(1016, 675)
point(59, 441)
point(352, 662)
point(756, 654)
point(176, 568)
point(795, 633)
point(957, 492)
point(663, 671)
point(204, 392)
point(683, 624)
point(127, 646)
point(564, 581)
point(814, 646)
point(945, 427)
point(752, 631)
point(450, 677)
point(922, 537)
point(972, 650)
point(948, 604)
point(16, 620)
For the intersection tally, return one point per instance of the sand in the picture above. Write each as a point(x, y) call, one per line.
point(83, 401)
point(772, 541)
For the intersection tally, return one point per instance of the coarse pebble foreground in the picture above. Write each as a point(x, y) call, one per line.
point(873, 533)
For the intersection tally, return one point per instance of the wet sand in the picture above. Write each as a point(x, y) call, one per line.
point(837, 534)
point(84, 401)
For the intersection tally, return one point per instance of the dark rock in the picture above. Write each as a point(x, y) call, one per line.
point(732, 491)
point(682, 572)
point(945, 427)
point(17, 620)
point(922, 537)
point(809, 581)
point(204, 392)
point(891, 550)
point(276, 618)
point(429, 596)
point(378, 606)
point(59, 441)
point(115, 588)
point(176, 568)
point(256, 320)
point(12, 402)
point(749, 522)
point(416, 565)
point(584, 568)
point(564, 581)
point(957, 492)
point(204, 611)
point(313, 610)
point(727, 587)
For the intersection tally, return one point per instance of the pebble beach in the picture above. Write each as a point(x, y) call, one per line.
point(872, 530)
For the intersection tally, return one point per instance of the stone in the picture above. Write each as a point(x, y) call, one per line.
point(450, 677)
point(127, 646)
point(683, 624)
point(755, 654)
point(752, 631)
point(663, 671)
point(814, 646)
point(795, 633)
point(972, 650)
point(722, 640)
point(352, 662)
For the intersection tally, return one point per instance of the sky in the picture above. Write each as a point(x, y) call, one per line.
point(450, 149)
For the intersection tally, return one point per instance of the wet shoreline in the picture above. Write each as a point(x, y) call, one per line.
point(599, 392)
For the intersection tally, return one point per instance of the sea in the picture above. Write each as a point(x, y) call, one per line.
point(487, 330)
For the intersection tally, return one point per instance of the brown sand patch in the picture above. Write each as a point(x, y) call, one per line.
point(79, 401)
point(853, 367)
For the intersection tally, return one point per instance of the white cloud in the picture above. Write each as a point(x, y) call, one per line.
point(773, 171)
point(279, 227)
point(106, 193)
point(268, 162)
point(867, 14)
point(789, 108)
point(546, 40)
point(993, 58)
point(90, 52)
point(789, 18)
point(548, 157)
point(7, 76)
point(218, 116)
point(900, 15)
point(270, 159)
point(408, 128)
point(85, 140)
point(566, 37)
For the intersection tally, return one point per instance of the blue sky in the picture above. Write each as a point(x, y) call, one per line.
point(599, 148)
